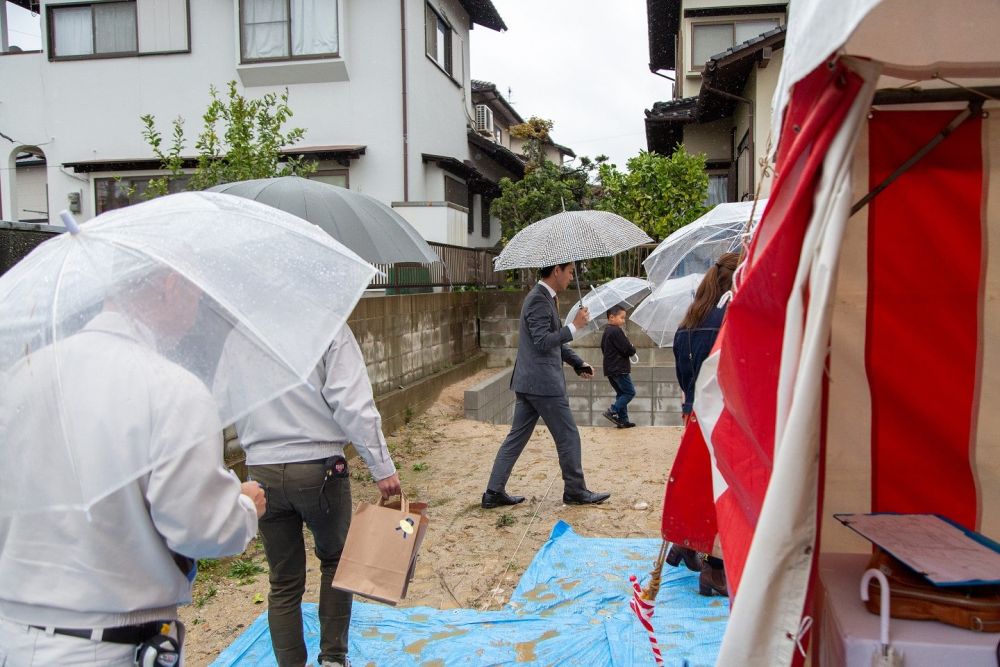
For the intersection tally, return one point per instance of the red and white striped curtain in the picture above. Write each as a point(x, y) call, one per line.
point(856, 367)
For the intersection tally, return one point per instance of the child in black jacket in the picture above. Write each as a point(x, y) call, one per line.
point(618, 349)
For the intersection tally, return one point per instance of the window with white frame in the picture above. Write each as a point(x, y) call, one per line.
point(95, 29)
point(438, 39)
point(288, 29)
point(711, 38)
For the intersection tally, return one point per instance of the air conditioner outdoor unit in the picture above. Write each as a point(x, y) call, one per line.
point(484, 120)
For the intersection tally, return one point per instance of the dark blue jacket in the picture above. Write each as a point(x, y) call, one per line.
point(691, 348)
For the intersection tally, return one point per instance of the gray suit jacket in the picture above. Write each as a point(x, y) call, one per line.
point(542, 348)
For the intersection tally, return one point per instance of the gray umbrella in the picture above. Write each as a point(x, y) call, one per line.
point(370, 228)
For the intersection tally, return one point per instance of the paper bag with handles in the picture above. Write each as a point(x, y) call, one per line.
point(380, 553)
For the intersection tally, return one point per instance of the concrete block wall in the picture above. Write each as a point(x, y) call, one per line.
point(657, 399)
point(499, 324)
point(406, 338)
point(491, 400)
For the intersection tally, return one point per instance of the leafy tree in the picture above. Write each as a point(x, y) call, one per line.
point(241, 139)
point(535, 133)
point(660, 194)
point(547, 188)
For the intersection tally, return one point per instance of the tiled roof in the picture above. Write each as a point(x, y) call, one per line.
point(750, 45)
point(679, 109)
point(503, 155)
point(484, 13)
point(725, 72)
point(489, 88)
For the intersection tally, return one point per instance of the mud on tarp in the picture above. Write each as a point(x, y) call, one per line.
point(570, 608)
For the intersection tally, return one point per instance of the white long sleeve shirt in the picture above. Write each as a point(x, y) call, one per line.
point(315, 421)
point(114, 567)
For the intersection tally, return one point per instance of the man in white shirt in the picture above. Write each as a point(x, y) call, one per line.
point(87, 588)
point(295, 449)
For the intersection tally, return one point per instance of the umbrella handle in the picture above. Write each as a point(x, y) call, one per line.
point(69, 221)
point(883, 601)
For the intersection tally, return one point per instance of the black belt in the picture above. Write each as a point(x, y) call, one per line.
point(125, 634)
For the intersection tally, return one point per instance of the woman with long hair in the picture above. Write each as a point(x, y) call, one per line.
point(700, 326)
point(692, 344)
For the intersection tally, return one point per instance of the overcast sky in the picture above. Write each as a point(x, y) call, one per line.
point(581, 63)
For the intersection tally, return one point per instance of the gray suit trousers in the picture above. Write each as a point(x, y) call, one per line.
point(558, 417)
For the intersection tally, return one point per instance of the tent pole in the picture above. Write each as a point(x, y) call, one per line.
point(975, 108)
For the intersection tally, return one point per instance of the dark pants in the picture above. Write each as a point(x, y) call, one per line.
point(624, 393)
point(293, 497)
point(558, 417)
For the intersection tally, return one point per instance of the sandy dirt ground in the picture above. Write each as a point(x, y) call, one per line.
point(470, 557)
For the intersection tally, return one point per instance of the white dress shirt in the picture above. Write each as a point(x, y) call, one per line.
point(552, 293)
point(114, 566)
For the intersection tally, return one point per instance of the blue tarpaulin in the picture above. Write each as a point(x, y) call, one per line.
point(570, 608)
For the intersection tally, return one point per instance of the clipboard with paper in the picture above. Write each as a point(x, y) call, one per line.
point(944, 552)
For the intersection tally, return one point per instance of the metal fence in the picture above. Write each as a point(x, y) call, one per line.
point(459, 267)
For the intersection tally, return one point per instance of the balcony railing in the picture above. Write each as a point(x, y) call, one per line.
point(459, 267)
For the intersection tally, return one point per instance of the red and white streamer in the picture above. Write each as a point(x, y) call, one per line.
point(644, 611)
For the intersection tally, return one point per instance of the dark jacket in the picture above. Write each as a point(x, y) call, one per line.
point(542, 348)
point(617, 349)
point(691, 348)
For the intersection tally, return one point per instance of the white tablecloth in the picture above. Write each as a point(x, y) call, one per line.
point(849, 634)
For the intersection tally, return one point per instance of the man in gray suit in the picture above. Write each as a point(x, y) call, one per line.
point(540, 387)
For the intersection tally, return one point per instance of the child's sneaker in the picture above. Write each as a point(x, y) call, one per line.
point(626, 424)
point(613, 418)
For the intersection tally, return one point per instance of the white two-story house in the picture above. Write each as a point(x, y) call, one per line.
point(723, 59)
point(382, 88)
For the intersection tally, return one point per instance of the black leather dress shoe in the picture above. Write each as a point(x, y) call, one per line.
point(586, 498)
point(493, 499)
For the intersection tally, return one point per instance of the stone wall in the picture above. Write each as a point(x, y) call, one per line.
point(407, 338)
point(499, 322)
point(657, 399)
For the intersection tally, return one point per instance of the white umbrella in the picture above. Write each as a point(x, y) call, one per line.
point(626, 291)
point(661, 313)
point(694, 247)
point(246, 269)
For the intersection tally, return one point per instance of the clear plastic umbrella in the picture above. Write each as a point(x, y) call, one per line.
point(626, 291)
point(370, 228)
point(569, 237)
point(661, 313)
point(694, 247)
point(175, 277)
